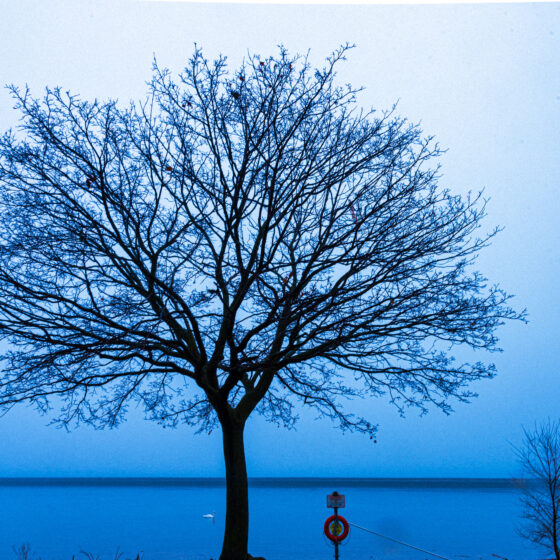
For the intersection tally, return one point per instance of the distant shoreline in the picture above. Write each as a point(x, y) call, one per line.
point(273, 482)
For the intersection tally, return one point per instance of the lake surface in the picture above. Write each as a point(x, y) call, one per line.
point(459, 519)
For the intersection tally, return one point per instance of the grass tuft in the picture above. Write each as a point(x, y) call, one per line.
point(24, 553)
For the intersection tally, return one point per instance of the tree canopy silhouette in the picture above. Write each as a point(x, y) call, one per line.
point(539, 457)
point(237, 242)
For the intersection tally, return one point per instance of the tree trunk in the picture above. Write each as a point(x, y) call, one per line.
point(555, 537)
point(236, 534)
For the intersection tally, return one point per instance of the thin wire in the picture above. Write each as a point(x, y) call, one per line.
point(399, 542)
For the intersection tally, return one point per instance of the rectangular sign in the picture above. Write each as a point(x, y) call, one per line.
point(335, 500)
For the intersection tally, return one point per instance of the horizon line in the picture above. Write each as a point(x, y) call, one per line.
point(504, 483)
point(2, 477)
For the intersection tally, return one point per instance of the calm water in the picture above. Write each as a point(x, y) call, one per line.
point(163, 518)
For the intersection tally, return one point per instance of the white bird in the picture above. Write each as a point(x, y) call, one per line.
point(210, 515)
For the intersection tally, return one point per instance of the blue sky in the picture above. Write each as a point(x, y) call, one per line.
point(483, 79)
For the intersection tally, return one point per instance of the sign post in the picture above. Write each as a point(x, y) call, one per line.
point(336, 530)
point(336, 527)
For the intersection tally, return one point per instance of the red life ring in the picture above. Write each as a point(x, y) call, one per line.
point(343, 535)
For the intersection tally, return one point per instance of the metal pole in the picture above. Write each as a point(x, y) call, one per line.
point(336, 542)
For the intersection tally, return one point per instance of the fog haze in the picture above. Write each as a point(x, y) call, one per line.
point(482, 79)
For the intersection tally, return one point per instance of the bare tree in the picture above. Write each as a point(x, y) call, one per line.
point(237, 242)
point(540, 458)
